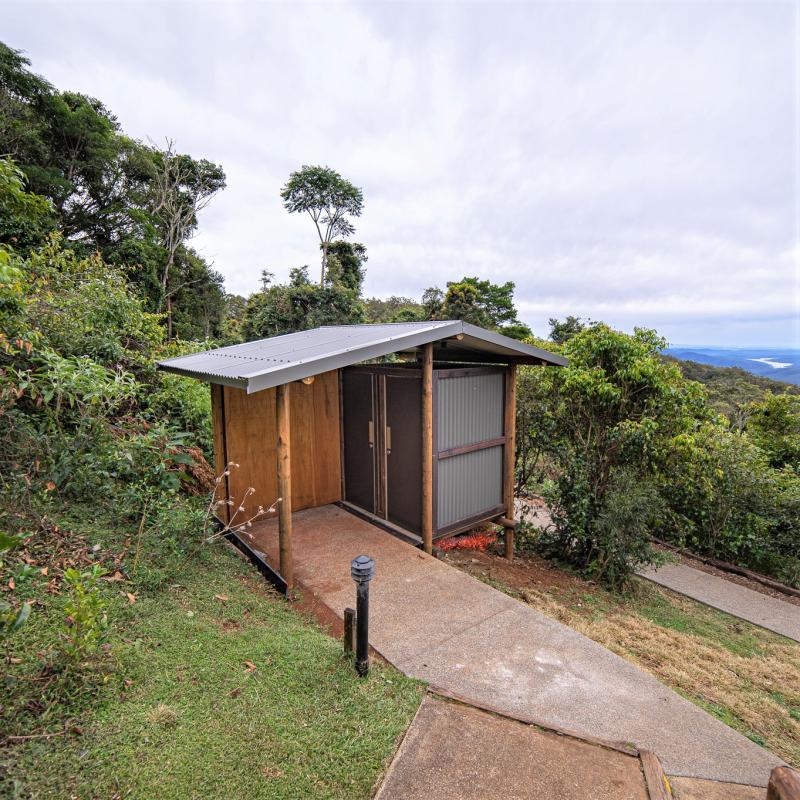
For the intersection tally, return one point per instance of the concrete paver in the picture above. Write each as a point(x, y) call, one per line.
point(437, 623)
point(455, 752)
point(739, 601)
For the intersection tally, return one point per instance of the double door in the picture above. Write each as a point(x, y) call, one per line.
point(382, 413)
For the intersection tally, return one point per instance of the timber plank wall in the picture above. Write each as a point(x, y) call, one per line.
point(244, 426)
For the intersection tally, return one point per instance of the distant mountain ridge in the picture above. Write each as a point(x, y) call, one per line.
point(778, 364)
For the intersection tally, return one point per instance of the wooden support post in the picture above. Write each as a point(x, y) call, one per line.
point(284, 483)
point(427, 448)
point(510, 427)
point(658, 787)
point(784, 784)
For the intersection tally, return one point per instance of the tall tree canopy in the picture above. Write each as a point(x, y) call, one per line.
point(479, 302)
point(180, 189)
point(134, 204)
point(328, 199)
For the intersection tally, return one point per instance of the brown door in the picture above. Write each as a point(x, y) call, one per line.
point(403, 440)
point(382, 445)
point(358, 394)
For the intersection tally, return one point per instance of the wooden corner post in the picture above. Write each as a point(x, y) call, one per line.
point(283, 428)
point(510, 429)
point(427, 448)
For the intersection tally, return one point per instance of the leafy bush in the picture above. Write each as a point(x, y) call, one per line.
point(726, 501)
point(86, 620)
point(604, 422)
point(630, 449)
point(774, 425)
point(82, 407)
point(613, 541)
point(12, 617)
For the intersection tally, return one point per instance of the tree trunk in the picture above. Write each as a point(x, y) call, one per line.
point(324, 263)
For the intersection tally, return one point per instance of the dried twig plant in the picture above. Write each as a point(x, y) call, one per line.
point(234, 523)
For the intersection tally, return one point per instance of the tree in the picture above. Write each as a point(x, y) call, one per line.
point(394, 309)
point(100, 184)
point(25, 218)
point(328, 199)
point(181, 188)
point(346, 264)
point(561, 332)
point(233, 320)
point(605, 422)
point(517, 330)
point(299, 305)
point(477, 301)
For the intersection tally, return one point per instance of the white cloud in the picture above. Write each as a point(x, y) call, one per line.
point(635, 162)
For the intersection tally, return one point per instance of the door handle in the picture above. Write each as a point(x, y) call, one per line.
point(388, 440)
point(371, 433)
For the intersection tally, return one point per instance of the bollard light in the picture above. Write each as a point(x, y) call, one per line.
point(362, 571)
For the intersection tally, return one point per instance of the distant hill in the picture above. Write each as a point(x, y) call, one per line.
point(778, 364)
point(730, 388)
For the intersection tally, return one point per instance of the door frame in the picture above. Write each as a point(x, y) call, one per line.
point(379, 373)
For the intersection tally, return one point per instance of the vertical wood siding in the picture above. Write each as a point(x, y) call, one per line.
point(251, 437)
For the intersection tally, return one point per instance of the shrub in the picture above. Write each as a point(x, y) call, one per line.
point(603, 423)
point(726, 501)
point(81, 404)
point(86, 619)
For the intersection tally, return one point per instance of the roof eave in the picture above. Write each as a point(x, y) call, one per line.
point(208, 377)
point(518, 351)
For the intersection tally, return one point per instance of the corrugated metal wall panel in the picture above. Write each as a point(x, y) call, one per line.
point(470, 409)
point(469, 484)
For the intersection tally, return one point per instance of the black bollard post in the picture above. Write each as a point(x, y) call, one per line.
point(362, 570)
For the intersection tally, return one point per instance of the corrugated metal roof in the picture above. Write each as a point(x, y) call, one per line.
point(280, 359)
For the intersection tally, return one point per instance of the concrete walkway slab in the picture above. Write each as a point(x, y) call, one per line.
point(455, 752)
point(739, 601)
point(437, 623)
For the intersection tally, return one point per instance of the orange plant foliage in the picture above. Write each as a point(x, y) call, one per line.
point(472, 541)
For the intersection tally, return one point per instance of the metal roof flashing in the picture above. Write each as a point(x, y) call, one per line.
point(264, 363)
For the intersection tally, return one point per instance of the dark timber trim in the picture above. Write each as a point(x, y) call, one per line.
point(256, 558)
point(383, 524)
point(470, 448)
point(343, 485)
point(470, 522)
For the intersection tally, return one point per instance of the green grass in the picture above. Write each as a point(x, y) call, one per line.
point(176, 710)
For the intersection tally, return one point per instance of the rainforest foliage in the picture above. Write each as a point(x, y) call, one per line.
point(626, 448)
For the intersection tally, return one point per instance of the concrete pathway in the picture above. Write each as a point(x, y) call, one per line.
point(456, 752)
point(439, 624)
point(739, 601)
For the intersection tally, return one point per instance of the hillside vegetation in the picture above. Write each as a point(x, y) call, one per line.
point(731, 390)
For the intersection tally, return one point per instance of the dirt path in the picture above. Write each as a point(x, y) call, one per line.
point(439, 624)
point(732, 598)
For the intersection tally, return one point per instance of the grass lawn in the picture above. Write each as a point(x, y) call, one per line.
point(213, 687)
point(744, 675)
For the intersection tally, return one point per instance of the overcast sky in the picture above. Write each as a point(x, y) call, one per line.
point(633, 162)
